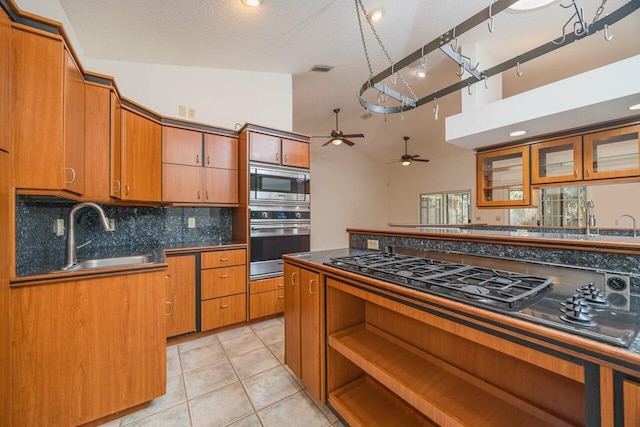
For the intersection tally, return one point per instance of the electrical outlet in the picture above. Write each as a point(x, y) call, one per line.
point(498, 218)
point(191, 223)
point(373, 244)
point(112, 224)
point(182, 111)
point(58, 227)
point(478, 218)
point(192, 113)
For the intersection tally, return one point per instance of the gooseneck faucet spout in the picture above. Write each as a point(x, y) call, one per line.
point(632, 219)
point(72, 258)
point(591, 218)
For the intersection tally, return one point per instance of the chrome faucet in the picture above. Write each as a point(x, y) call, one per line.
point(632, 219)
point(72, 258)
point(591, 218)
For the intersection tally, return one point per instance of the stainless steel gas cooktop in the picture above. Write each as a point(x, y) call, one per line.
point(578, 308)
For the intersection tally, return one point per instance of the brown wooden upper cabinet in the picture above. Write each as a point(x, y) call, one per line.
point(559, 160)
point(612, 153)
point(279, 151)
point(97, 133)
point(185, 180)
point(5, 82)
point(115, 187)
point(141, 158)
point(47, 104)
point(503, 178)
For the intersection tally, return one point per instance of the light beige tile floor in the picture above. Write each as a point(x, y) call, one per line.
point(235, 378)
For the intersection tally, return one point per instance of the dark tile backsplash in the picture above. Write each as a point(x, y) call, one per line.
point(138, 230)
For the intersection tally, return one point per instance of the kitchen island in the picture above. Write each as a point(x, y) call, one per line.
point(397, 355)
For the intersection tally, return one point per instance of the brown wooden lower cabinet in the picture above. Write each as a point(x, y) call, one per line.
point(223, 311)
point(304, 327)
point(180, 288)
point(631, 393)
point(84, 349)
point(387, 361)
point(266, 297)
point(219, 282)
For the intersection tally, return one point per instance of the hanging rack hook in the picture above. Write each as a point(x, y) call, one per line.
point(461, 71)
point(491, 23)
point(607, 36)
point(435, 108)
point(518, 72)
point(484, 77)
point(474, 68)
point(394, 75)
point(455, 40)
point(469, 88)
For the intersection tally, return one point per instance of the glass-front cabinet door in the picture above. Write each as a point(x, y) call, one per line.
point(503, 178)
point(612, 153)
point(559, 160)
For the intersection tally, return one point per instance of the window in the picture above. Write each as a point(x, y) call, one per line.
point(445, 208)
point(558, 207)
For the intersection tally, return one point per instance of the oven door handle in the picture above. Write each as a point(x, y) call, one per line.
point(279, 227)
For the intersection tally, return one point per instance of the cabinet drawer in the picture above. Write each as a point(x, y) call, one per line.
point(266, 303)
point(223, 311)
point(223, 258)
point(265, 285)
point(220, 282)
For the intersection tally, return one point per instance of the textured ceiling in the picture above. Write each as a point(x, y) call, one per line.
point(288, 36)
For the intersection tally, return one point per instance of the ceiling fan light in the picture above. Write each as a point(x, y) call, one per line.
point(528, 5)
point(375, 15)
point(421, 73)
point(251, 3)
point(406, 162)
point(635, 107)
point(336, 141)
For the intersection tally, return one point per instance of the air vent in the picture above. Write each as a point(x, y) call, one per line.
point(322, 68)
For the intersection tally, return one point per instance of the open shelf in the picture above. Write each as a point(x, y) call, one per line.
point(364, 402)
point(441, 392)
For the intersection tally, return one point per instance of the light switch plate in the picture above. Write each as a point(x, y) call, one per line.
point(191, 223)
point(373, 244)
point(112, 224)
point(58, 227)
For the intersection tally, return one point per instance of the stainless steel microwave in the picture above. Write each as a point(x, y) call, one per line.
point(279, 185)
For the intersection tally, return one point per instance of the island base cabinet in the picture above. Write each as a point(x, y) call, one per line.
point(385, 354)
point(85, 349)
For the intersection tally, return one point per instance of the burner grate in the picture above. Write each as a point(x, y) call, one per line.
point(476, 285)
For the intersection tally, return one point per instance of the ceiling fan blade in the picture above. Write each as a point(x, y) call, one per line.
point(349, 143)
point(321, 136)
point(420, 160)
point(395, 161)
point(354, 135)
point(327, 143)
point(414, 156)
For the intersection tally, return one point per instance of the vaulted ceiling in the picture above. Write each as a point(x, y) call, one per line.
point(285, 36)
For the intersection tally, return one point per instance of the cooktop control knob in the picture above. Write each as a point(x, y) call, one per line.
point(592, 295)
point(264, 215)
point(298, 215)
point(576, 302)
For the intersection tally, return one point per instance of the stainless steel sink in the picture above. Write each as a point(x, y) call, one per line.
point(111, 262)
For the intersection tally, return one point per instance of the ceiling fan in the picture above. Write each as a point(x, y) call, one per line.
point(407, 158)
point(337, 136)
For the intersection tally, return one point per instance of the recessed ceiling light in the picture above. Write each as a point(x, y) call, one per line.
point(635, 107)
point(421, 73)
point(529, 5)
point(375, 15)
point(518, 133)
point(251, 3)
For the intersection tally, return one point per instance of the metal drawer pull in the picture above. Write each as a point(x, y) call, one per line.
point(224, 306)
point(224, 276)
point(198, 195)
point(208, 161)
point(170, 308)
point(127, 189)
point(119, 186)
point(73, 176)
point(168, 276)
point(197, 159)
point(281, 297)
point(292, 276)
point(224, 259)
point(281, 285)
point(310, 282)
point(285, 158)
point(206, 194)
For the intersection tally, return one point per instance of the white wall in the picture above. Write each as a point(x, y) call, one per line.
point(220, 97)
point(347, 190)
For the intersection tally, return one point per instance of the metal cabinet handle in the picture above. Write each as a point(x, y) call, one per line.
point(168, 276)
point(170, 308)
point(73, 175)
point(206, 194)
point(224, 306)
point(198, 194)
point(285, 158)
point(281, 285)
point(277, 157)
point(281, 297)
point(292, 276)
point(310, 282)
point(118, 186)
point(127, 189)
point(208, 160)
point(224, 259)
point(197, 159)
point(224, 276)
point(588, 172)
point(575, 173)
